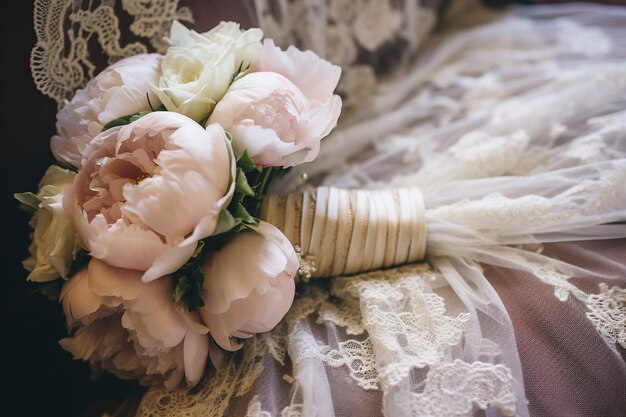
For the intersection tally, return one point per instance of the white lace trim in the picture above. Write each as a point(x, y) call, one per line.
point(406, 321)
point(452, 389)
point(359, 358)
point(607, 312)
point(346, 314)
point(61, 62)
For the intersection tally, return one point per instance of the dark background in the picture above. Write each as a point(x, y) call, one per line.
point(38, 377)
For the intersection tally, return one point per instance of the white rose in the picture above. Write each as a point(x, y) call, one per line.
point(118, 91)
point(53, 244)
point(198, 68)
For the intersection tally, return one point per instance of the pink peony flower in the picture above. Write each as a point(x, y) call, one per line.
point(281, 112)
point(131, 328)
point(120, 90)
point(249, 285)
point(148, 191)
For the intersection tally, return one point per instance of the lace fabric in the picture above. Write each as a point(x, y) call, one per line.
point(65, 29)
point(367, 38)
point(405, 327)
point(607, 312)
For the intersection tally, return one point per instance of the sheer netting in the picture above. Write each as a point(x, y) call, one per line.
point(513, 124)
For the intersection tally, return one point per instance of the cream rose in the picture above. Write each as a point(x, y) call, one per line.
point(120, 90)
point(198, 68)
point(252, 294)
point(148, 191)
point(53, 243)
point(131, 328)
point(281, 112)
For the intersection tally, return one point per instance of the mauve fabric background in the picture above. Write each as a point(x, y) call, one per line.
point(568, 371)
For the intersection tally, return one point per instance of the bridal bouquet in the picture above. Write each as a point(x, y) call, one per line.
point(147, 229)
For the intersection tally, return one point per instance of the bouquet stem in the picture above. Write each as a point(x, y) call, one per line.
point(351, 231)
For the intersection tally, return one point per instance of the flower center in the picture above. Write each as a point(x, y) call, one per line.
point(130, 166)
point(141, 177)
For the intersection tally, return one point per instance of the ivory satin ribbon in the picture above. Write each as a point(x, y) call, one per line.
point(351, 231)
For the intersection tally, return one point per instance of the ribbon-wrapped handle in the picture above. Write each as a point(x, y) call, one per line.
point(351, 231)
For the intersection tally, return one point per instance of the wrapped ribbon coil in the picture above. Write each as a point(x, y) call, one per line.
point(351, 231)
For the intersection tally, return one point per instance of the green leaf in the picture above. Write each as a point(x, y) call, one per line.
point(52, 290)
point(118, 122)
point(125, 120)
point(28, 199)
point(80, 261)
point(225, 222)
point(243, 214)
point(198, 250)
point(236, 74)
point(182, 287)
point(188, 282)
point(241, 184)
point(246, 163)
point(263, 182)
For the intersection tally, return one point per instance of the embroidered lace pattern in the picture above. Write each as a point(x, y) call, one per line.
point(358, 357)
point(452, 389)
point(67, 29)
point(352, 34)
point(411, 328)
point(237, 375)
point(607, 312)
point(215, 391)
point(405, 319)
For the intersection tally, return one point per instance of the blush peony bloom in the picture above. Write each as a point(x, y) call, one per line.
point(198, 68)
point(54, 241)
point(252, 294)
point(120, 90)
point(131, 328)
point(281, 112)
point(148, 191)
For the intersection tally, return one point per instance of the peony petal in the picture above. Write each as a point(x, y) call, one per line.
point(169, 261)
point(117, 91)
point(280, 297)
point(315, 77)
point(221, 332)
point(78, 301)
point(109, 281)
point(263, 145)
point(196, 351)
point(121, 245)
